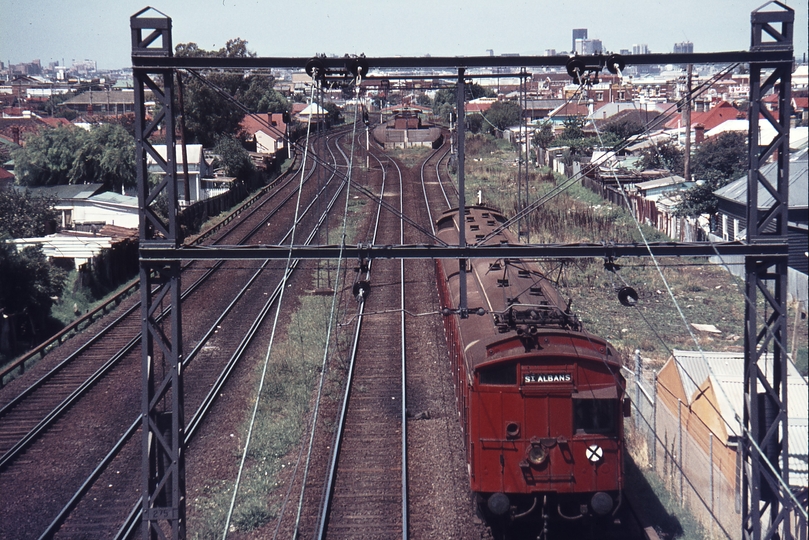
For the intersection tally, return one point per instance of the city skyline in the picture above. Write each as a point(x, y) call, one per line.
point(71, 31)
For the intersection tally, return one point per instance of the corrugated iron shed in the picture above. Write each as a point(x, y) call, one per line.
point(725, 371)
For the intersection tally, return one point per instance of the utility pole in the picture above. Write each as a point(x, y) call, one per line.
point(687, 118)
point(463, 307)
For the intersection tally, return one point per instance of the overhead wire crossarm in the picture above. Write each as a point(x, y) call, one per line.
point(455, 62)
point(537, 251)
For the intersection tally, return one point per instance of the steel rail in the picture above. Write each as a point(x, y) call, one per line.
point(338, 439)
point(403, 361)
point(74, 396)
point(210, 397)
point(424, 185)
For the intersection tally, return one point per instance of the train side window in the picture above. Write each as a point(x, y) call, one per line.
point(498, 374)
point(594, 415)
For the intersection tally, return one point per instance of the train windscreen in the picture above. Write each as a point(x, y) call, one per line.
point(498, 374)
point(594, 415)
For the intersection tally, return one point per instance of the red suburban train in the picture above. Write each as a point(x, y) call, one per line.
point(541, 401)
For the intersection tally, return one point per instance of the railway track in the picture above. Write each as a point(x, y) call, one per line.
point(101, 429)
point(367, 485)
point(398, 468)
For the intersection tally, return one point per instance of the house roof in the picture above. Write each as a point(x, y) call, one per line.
point(313, 108)
point(115, 198)
point(270, 123)
point(661, 182)
point(725, 371)
point(645, 141)
point(102, 98)
point(798, 185)
point(570, 109)
point(721, 112)
point(64, 192)
point(193, 151)
point(766, 132)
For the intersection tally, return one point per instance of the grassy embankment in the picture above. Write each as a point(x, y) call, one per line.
point(284, 405)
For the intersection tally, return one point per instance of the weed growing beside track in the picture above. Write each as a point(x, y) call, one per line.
point(281, 424)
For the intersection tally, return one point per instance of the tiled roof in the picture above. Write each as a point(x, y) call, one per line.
point(710, 119)
point(253, 123)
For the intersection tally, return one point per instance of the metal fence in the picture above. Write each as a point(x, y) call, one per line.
point(697, 469)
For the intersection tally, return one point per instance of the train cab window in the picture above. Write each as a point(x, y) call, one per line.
point(498, 374)
point(594, 415)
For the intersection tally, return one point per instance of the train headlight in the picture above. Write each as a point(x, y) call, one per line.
point(537, 455)
point(601, 503)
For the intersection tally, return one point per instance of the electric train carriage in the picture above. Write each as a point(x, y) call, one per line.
point(541, 400)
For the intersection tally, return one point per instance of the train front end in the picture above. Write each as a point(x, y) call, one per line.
point(545, 428)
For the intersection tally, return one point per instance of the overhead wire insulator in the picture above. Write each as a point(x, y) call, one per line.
point(357, 66)
point(615, 63)
point(316, 69)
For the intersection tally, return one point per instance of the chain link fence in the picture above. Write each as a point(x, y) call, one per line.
point(697, 468)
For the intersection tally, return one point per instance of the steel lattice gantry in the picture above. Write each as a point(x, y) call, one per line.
point(769, 509)
point(767, 504)
point(163, 424)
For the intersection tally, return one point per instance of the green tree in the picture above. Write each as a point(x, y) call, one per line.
point(209, 114)
point(622, 128)
point(474, 123)
point(542, 139)
point(573, 129)
point(717, 162)
point(27, 283)
point(234, 159)
point(501, 115)
point(445, 99)
point(108, 157)
point(574, 137)
point(68, 155)
point(49, 157)
point(721, 159)
point(260, 95)
point(24, 216)
point(663, 156)
point(333, 113)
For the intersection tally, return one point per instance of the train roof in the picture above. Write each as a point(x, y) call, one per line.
point(523, 309)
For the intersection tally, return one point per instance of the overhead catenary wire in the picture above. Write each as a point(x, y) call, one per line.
point(270, 345)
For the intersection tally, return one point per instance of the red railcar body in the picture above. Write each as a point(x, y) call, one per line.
point(541, 401)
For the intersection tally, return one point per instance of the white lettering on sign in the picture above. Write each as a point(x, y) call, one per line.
point(529, 378)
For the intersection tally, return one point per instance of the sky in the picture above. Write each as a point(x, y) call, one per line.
point(98, 30)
